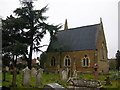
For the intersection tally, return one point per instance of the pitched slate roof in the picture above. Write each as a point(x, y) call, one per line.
point(75, 39)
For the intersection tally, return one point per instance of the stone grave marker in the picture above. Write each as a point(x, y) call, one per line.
point(77, 82)
point(53, 86)
point(7, 68)
point(74, 73)
point(39, 76)
point(26, 77)
point(33, 72)
point(64, 75)
point(107, 81)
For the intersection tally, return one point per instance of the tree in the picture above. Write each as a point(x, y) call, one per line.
point(35, 26)
point(118, 60)
point(12, 45)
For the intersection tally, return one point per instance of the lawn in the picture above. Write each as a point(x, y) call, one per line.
point(0, 78)
point(52, 78)
point(115, 83)
point(47, 78)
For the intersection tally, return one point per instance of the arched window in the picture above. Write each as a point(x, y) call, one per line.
point(53, 61)
point(67, 61)
point(85, 61)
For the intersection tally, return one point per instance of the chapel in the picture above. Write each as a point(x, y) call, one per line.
point(78, 49)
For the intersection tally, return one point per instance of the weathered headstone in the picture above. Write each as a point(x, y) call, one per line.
point(74, 73)
point(7, 68)
point(53, 86)
point(39, 76)
point(58, 69)
point(46, 71)
point(77, 82)
point(74, 68)
point(33, 72)
point(107, 81)
point(64, 75)
point(26, 77)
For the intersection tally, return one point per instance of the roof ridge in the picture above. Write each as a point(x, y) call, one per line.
point(79, 27)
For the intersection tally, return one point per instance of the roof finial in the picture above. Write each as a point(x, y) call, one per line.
point(66, 25)
point(100, 20)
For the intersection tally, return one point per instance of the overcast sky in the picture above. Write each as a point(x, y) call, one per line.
point(78, 13)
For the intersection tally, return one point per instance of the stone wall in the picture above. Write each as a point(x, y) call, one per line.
point(76, 57)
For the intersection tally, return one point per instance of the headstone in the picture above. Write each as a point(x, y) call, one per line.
point(53, 86)
point(58, 69)
point(107, 81)
point(26, 77)
point(33, 72)
point(39, 76)
point(77, 82)
point(74, 73)
point(74, 68)
point(46, 71)
point(64, 75)
point(7, 68)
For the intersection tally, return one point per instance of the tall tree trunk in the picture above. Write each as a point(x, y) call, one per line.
point(30, 57)
point(14, 77)
point(60, 61)
point(4, 73)
point(32, 34)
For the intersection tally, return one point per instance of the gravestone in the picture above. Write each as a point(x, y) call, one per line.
point(39, 76)
point(33, 72)
point(7, 68)
point(74, 73)
point(77, 82)
point(53, 86)
point(58, 69)
point(64, 75)
point(107, 81)
point(26, 77)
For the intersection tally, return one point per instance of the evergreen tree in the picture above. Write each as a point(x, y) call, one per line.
point(35, 26)
point(28, 28)
point(12, 45)
point(25, 30)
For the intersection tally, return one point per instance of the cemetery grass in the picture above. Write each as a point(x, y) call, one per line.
point(52, 78)
point(115, 83)
point(0, 78)
point(47, 78)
